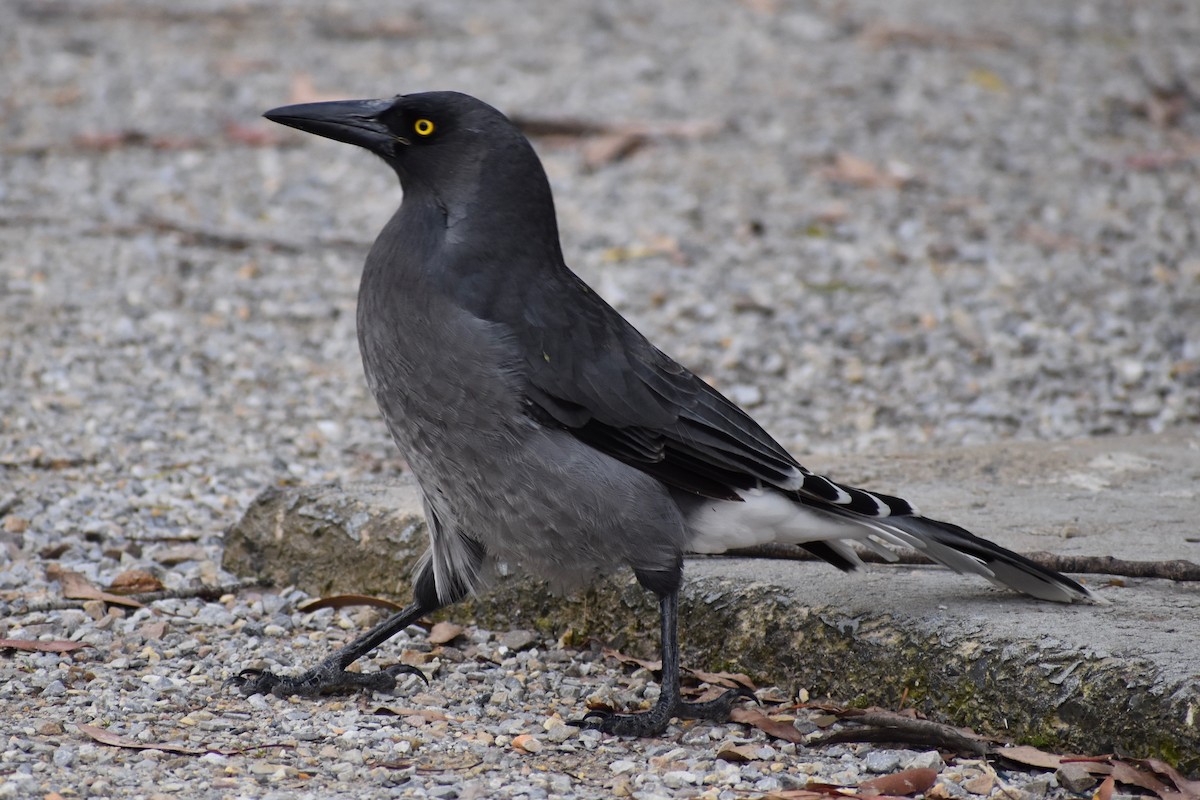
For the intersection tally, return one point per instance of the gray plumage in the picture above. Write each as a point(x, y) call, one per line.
point(544, 430)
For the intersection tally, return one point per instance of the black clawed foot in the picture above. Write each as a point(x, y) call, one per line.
point(655, 721)
point(643, 723)
point(715, 710)
point(326, 678)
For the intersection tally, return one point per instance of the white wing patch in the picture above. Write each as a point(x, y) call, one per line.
point(762, 518)
point(766, 517)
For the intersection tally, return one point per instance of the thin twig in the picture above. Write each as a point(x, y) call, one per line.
point(887, 726)
point(205, 591)
point(1177, 570)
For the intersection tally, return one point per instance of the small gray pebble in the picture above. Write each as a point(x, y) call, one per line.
point(881, 761)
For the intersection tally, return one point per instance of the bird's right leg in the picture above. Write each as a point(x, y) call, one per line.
point(330, 676)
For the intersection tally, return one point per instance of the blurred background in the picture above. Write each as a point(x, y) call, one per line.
point(880, 226)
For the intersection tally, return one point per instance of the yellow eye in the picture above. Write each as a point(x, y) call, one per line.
point(423, 127)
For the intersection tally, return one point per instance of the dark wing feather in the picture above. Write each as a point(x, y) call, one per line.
point(590, 372)
point(605, 383)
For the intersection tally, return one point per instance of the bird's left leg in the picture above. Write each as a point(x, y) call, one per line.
point(330, 676)
point(670, 703)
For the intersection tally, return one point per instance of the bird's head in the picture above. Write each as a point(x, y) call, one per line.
point(435, 138)
point(451, 152)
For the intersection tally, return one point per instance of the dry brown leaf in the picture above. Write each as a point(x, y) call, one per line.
point(32, 646)
point(348, 601)
point(575, 128)
point(600, 151)
point(1030, 756)
point(1131, 775)
point(1096, 765)
point(653, 666)
point(779, 729)
point(1105, 790)
point(302, 90)
point(135, 581)
point(177, 554)
point(354, 26)
point(732, 680)
point(767, 7)
point(905, 782)
point(738, 753)
point(851, 169)
point(444, 632)
point(117, 740)
point(793, 794)
point(76, 587)
point(1188, 788)
point(526, 743)
point(709, 692)
point(880, 35)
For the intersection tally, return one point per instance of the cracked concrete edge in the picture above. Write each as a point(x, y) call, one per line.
point(367, 538)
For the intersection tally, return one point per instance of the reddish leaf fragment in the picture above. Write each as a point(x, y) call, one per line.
point(76, 587)
point(32, 646)
point(905, 782)
point(348, 601)
point(252, 135)
point(526, 743)
point(738, 753)
point(117, 740)
point(428, 714)
point(107, 140)
point(828, 789)
point(1105, 790)
point(135, 581)
point(444, 632)
point(847, 168)
point(779, 729)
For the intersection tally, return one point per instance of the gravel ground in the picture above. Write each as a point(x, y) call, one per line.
point(912, 225)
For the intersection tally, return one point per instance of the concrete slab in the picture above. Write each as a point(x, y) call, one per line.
point(1123, 676)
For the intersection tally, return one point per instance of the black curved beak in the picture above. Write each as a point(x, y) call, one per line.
point(351, 121)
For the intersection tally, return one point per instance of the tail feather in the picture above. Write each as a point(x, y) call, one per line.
point(895, 521)
point(828, 527)
point(963, 551)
